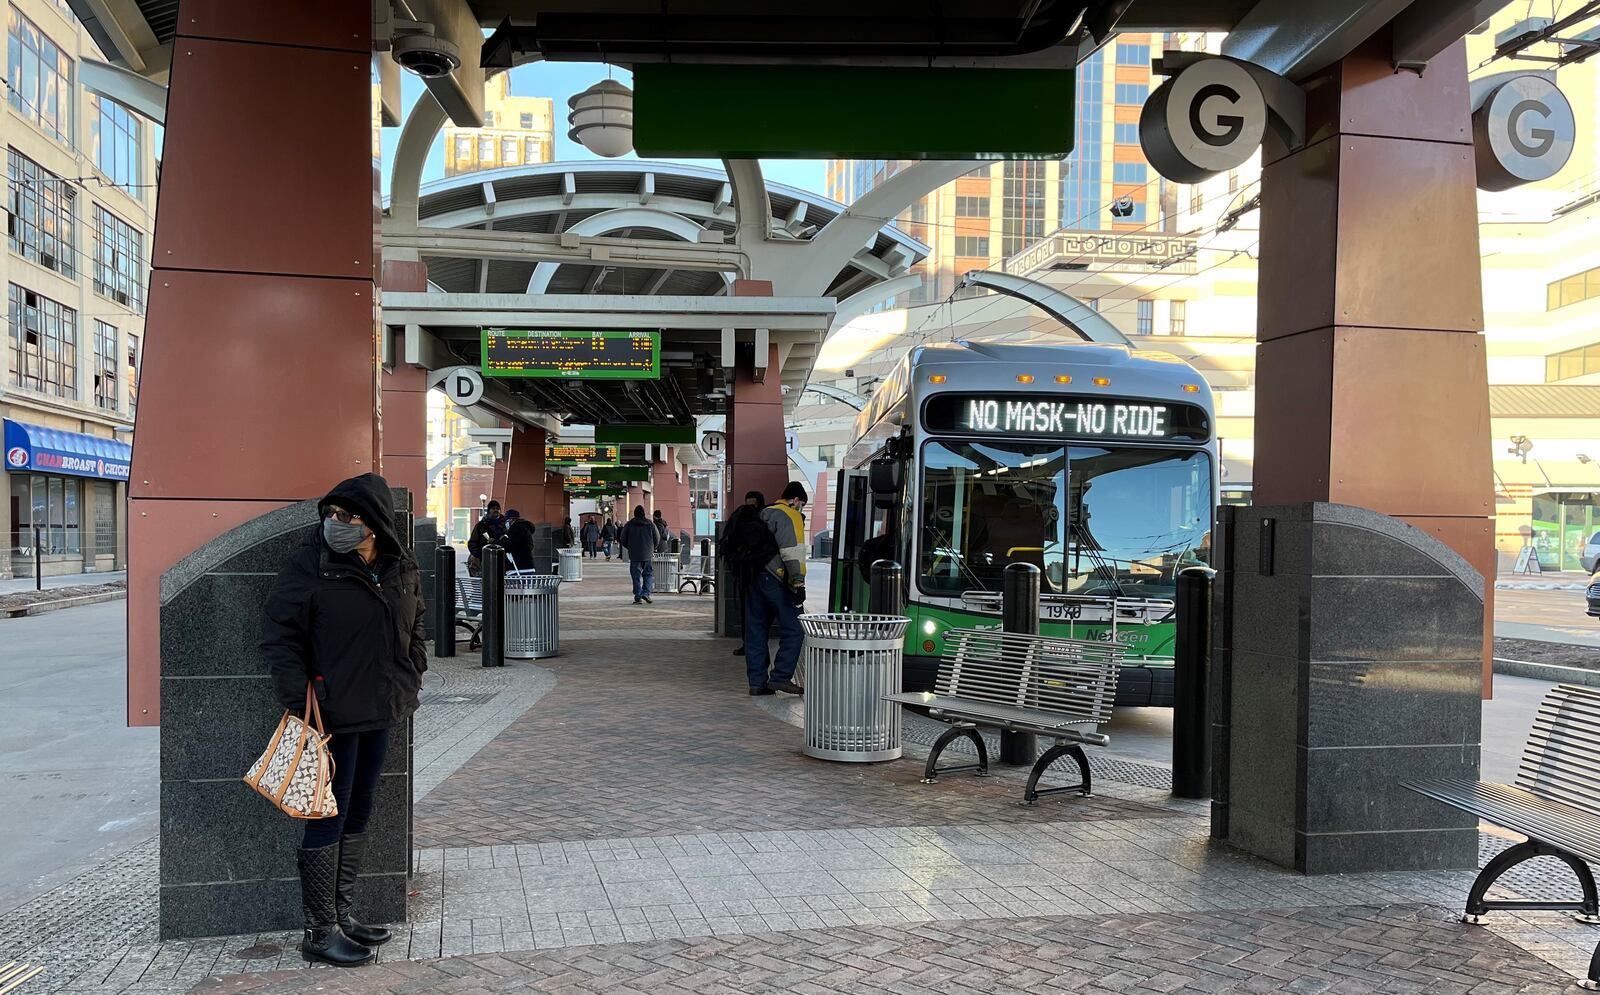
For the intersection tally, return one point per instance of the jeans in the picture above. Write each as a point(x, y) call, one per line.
point(643, 574)
point(765, 599)
point(357, 762)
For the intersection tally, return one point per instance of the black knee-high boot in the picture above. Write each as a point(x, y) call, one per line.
point(351, 849)
point(324, 940)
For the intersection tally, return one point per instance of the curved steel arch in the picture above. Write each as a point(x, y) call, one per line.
point(619, 219)
point(1090, 324)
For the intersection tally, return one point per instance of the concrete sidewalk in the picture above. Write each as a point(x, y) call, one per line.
point(17, 585)
point(624, 817)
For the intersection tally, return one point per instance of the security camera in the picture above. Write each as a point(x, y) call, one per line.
point(418, 49)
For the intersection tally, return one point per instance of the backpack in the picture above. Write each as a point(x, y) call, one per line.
point(748, 545)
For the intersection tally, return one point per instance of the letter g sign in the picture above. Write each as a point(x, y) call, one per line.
point(1522, 130)
point(1205, 120)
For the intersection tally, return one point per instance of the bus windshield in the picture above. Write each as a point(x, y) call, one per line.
point(988, 504)
point(1097, 521)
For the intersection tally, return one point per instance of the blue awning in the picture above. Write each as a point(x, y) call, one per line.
point(50, 450)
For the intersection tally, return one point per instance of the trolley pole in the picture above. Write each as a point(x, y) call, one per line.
point(1019, 612)
point(1191, 718)
point(887, 590)
point(494, 605)
point(38, 558)
point(444, 601)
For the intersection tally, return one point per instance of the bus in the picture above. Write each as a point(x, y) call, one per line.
point(1095, 463)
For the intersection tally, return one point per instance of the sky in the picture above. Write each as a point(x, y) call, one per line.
point(560, 80)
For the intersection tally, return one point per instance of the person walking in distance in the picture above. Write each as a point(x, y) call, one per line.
point(591, 538)
point(776, 592)
point(608, 535)
point(345, 619)
point(639, 539)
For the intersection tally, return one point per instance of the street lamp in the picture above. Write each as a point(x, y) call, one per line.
point(1521, 446)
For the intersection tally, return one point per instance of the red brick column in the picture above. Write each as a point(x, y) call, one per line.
point(1371, 376)
point(757, 456)
point(260, 378)
point(405, 402)
point(524, 486)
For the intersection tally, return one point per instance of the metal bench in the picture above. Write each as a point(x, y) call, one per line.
point(696, 575)
point(1555, 803)
point(1060, 688)
point(469, 609)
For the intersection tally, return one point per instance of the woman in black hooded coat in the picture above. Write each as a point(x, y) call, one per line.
point(345, 619)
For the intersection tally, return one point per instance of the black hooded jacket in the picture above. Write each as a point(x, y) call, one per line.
point(356, 636)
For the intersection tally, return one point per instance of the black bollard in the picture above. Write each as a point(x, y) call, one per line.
point(1191, 716)
point(494, 605)
point(1019, 612)
point(38, 558)
point(444, 600)
point(705, 548)
point(887, 588)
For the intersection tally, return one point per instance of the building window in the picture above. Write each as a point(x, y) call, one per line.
point(488, 119)
point(1197, 199)
point(486, 150)
point(1133, 55)
point(1572, 289)
point(133, 374)
point(463, 148)
point(972, 207)
point(118, 260)
point(1147, 317)
point(40, 76)
point(972, 245)
point(50, 505)
point(44, 344)
point(118, 145)
point(106, 364)
point(1093, 302)
point(1180, 317)
point(527, 121)
point(1129, 172)
point(533, 151)
point(42, 214)
point(1132, 93)
point(1081, 196)
point(1021, 205)
point(508, 151)
point(1579, 362)
point(1125, 133)
point(1233, 181)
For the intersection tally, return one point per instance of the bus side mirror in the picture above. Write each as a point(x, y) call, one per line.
point(884, 475)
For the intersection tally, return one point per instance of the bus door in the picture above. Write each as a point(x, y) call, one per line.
point(851, 515)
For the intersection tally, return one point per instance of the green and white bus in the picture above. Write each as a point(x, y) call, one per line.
point(1096, 463)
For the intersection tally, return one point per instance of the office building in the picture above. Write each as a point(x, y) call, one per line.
point(80, 202)
point(516, 131)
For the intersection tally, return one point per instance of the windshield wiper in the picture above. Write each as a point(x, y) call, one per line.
point(1097, 556)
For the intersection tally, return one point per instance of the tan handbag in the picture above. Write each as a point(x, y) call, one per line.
point(296, 771)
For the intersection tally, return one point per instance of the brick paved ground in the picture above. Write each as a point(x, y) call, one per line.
point(639, 739)
point(1357, 950)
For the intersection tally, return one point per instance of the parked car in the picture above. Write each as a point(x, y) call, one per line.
point(1589, 559)
point(1594, 594)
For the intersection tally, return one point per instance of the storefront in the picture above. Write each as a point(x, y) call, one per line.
point(1563, 521)
point(67, 507)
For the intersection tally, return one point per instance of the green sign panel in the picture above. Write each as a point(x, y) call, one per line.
point(850, 112)
point(580, 455)
point(612, 474)
point(572, 355)
point(672, 435)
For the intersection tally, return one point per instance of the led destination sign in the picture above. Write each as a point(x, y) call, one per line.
point(581, 355)
point(1071, 416)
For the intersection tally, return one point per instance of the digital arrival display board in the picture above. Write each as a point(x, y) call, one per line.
point(556, 454)
point(1066, 417)
point(572, 355)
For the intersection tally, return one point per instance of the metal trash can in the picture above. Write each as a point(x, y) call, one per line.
point(851, 661)
point(533, 607)
point(572, 564)
point(664, 571)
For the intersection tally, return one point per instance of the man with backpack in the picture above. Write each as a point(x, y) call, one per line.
point(490, 528)
point(766, 551)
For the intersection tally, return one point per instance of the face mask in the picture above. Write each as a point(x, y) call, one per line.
point(343, 537)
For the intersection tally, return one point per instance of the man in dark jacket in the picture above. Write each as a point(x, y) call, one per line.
point(518, 542)
point(639, 539)
point(345, 619)
point(591, 537)
point(663, 531)
point(608, 535)
point(490, 528)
